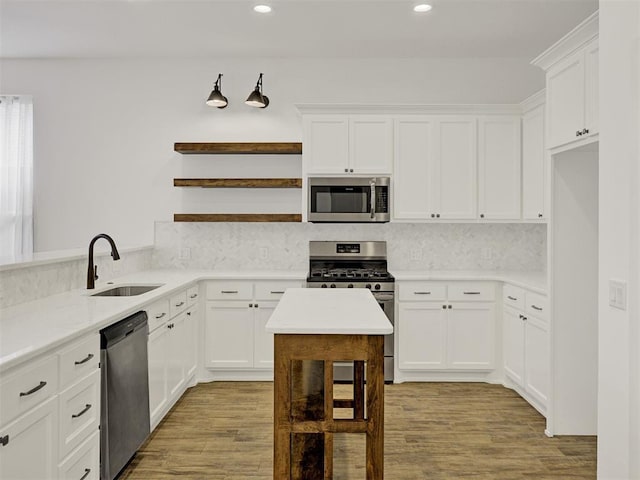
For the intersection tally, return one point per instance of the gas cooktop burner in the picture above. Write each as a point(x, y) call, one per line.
point(349, 273)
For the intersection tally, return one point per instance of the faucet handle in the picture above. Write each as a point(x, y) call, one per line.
point(95, 272)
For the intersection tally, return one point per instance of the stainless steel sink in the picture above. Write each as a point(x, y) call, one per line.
point(126, 291)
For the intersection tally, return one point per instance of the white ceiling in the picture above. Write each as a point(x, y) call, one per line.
point(295, 28)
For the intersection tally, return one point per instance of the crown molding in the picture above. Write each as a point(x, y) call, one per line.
point(407, 109)
point(533, 101)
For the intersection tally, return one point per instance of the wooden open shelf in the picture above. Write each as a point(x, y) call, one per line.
point(238, 182)
point(251, 148)
point(237, 217)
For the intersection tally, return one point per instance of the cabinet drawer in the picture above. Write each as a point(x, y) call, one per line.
point(79, 412)
point(192, 295)
point(229, 290)
point(158, 313)
point(84, 462)
point(274, 290)
point(177, 303)
point(474, 292)
point(422, 291)
point(79, 360)
point(537, 305)
point(27, 387)
point(513, 296)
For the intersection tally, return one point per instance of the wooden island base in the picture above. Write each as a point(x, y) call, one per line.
point(304, 403)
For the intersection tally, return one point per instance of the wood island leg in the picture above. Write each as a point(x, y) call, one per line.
point(281, 410)
point(375, 408)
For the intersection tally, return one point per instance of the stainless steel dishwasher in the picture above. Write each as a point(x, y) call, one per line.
point(125, 393)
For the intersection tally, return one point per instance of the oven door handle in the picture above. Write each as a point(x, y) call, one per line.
point(372, 182)
point(383, 297)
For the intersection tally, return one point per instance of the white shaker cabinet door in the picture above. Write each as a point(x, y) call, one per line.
point(537, 359)
point(263, 340)
point(592, 85)
point(370, 145)
point(422, 336)
point(191, 353)
point(533, 165)
point(176, 354)
point(326, 144)
point(30, 449)
point(453, 176)
point(470, 335)
point(157, 347)
point(229, 335)
point(413, 161)
point(499, 167)
point(514, 345)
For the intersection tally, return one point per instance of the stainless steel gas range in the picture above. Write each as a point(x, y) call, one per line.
point(355, 265)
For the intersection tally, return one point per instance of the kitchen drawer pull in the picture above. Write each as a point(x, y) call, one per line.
point(161, 315)
point(4, 440)
point(34, 389)
point(82, 412)
point(277, 292)
point(535, 307)
point(471, 293)
point(511, 298)
point(228, 291)
point(422, 293)
point(179, 304)
point(87, 471)
point(84, 360)
point(193, 296)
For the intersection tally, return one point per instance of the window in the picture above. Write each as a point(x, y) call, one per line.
point(16, 176)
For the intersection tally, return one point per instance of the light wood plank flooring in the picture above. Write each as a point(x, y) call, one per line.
point(223, 431)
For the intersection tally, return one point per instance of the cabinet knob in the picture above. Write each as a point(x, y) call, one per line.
point(444, 307)
point(351, 170)
point(4, 440)
point(578, 133)
point(256, 305)
point(433, 215)
point(251, 305)
point(539, 215)
point(482, 215)
point(437, 215)
point(346, 170)
point(585, 131)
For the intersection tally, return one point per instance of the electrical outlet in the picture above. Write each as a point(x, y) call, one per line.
point(618, 294)
point(185, 253)
point(263, 253)
point(486, 253)
point(415, 254)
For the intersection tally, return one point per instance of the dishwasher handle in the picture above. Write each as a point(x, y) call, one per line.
point(118, 331)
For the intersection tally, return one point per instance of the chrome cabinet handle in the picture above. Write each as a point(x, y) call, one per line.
point(422, 293)
point(34, 389)
point(471, 293)
point(82, 412)
point(228, 291)
point(511, 298)
point(179, 304)
point(84, 360)
point(4, 440)
point(161, 315)
point(193, 296)
point(535, 307)
point(87, 471)
point(278, 292)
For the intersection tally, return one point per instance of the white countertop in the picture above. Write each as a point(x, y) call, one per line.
point(344, 311)
point(535, 281)
point(30, 328)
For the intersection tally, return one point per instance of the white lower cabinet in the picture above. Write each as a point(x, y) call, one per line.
point(29, 445)
point(236, 314)
point(443, 334)
point(171, 350)
point(526, 344)
point(84, 462)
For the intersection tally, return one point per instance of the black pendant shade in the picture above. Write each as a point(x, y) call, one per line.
point(216, 99)
point(256, 98)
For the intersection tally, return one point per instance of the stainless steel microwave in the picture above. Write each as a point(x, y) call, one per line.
point(348, 199)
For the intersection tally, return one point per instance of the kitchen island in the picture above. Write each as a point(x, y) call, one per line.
point(313, 328)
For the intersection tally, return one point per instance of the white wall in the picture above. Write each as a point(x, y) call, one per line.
point(619, 341)
point(104, 129)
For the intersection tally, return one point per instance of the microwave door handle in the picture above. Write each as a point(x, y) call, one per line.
point(373, 198)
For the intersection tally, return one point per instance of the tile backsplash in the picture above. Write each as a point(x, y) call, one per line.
point(19, 285)
point(266, 246)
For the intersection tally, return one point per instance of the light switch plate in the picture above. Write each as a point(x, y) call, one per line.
point(618, 294)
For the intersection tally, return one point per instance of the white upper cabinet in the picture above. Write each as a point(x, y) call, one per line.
point(572, 86)
point(534, 174)
point(348, 145)
point(499, 167)
point(435, 168)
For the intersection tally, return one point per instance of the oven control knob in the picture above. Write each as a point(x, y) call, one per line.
point(377, 287)
point(350, 285)
point(333, 285)
point(368, 285)
point(324, 285)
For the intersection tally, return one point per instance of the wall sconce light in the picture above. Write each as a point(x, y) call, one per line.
point(216, 99)
point(256, 98)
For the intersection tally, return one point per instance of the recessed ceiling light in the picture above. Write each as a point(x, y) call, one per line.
point(423, 7)
point(262, 8)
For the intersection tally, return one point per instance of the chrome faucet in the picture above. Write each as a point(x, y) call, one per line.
point(92, 271)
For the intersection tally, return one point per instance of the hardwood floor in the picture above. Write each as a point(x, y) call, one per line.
point(223, 431)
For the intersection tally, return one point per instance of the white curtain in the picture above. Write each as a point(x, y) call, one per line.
point(16, 176)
